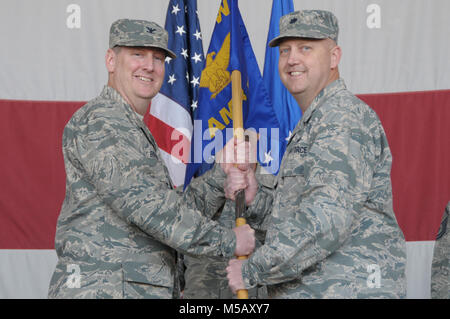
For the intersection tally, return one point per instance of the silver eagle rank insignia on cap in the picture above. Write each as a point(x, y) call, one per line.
point(139, 33)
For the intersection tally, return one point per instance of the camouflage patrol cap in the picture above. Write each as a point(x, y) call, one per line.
point(139, 33)
point(316, 24)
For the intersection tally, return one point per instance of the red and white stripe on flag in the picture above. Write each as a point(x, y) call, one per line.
point(171, 126)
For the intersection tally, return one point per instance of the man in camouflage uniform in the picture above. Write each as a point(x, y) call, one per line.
point(121, 221)
point(440, 272)
point(332, 232)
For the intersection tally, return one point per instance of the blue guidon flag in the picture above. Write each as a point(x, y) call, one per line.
point(230, 50)
point(288, 111)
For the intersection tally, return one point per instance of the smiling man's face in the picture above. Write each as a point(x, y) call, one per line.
point(137, 73)
point(306, 66)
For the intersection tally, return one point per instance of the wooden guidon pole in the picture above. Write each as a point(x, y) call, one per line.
point(238, 131)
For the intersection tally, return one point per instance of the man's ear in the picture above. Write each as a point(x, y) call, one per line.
point(110, 60)
point(336, 54)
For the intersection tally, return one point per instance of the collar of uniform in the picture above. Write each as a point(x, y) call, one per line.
point(114, 95)
point(323, 95)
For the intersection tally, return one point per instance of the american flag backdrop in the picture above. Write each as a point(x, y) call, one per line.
point(395, 58)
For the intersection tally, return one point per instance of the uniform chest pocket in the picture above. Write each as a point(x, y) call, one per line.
point(294, 163)
point(292, 182)
point(145, 280)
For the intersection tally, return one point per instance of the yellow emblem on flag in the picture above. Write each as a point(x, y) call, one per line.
point(215, 76)
point(223, 9)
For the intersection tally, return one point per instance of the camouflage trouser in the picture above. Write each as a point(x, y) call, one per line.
point(440, 274)
point(206, 278)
